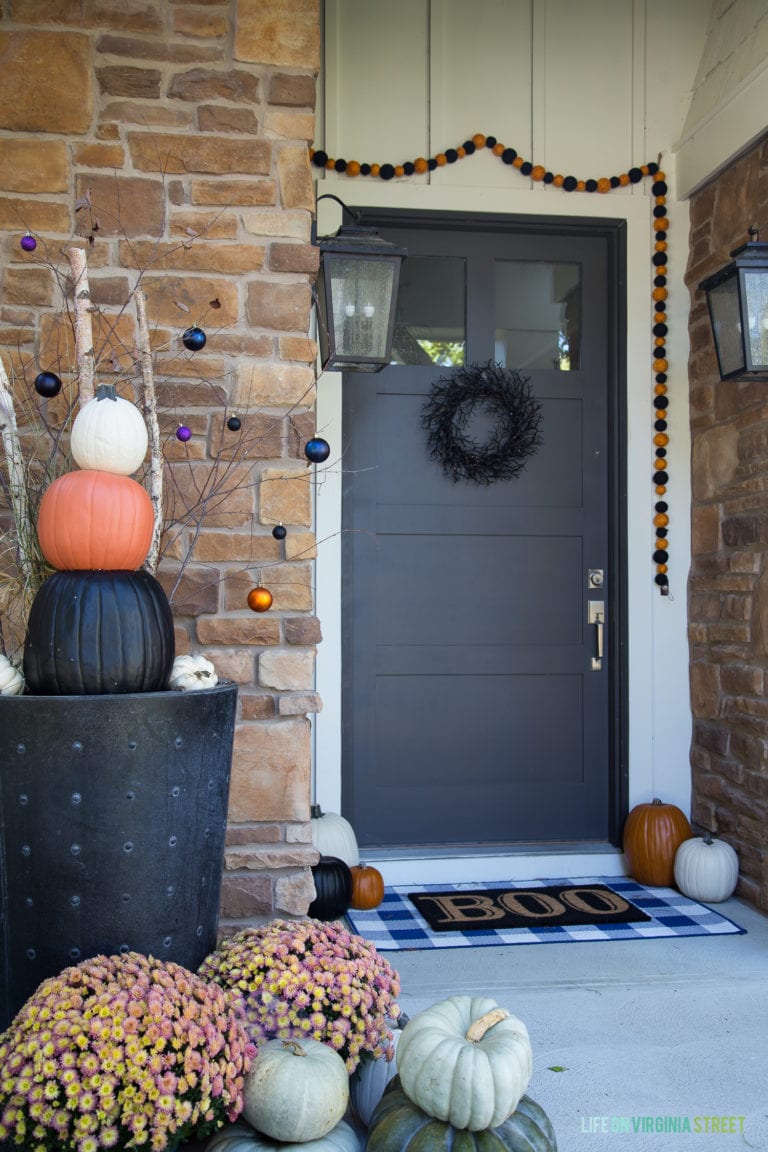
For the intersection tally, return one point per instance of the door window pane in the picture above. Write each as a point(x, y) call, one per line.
point(430, 323)
point(538, 315)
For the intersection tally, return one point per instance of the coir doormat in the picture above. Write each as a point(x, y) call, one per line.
point(551, 906)
point(397, 923)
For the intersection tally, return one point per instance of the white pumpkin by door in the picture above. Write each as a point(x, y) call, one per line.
point(706, 869)
point(332, 835)
point(189, 673)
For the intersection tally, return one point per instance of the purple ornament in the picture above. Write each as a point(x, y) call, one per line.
point(183, 433)
point(28, 242)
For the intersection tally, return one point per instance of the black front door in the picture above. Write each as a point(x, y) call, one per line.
point(481, 704)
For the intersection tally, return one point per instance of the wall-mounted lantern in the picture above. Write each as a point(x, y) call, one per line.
point(356, 296)
point(737, 297)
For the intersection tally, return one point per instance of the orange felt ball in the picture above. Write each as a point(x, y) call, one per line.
point(478, 140)
point(259, 599)
point(353, 168)
point(603, 184)
point(659, 294)
point(660, 520)
point(420, 165)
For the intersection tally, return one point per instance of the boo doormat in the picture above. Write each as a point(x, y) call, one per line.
point(535, 912)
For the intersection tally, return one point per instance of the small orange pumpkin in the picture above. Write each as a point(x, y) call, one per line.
point(652, 835)
point(95, 520)
point(367, 886)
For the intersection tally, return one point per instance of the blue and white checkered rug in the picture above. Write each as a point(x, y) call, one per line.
point(397, 926)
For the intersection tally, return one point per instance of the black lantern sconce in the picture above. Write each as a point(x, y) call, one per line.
point(356, 296)
point(737, 297)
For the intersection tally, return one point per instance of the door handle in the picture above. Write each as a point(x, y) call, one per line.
point(596, 616)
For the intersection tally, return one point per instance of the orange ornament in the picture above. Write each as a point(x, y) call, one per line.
point(259, 599)
point(94, 519)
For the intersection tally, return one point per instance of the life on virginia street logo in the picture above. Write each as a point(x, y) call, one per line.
point(641, 1125)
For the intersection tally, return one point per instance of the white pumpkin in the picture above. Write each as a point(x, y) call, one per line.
point(109, 434)
point(11, 678)
point(706, 869)
point(296, 1090)
point(368, 1081)
point(241, 1137)
point(190, 673)
point(465, 1060)
point(332, 835)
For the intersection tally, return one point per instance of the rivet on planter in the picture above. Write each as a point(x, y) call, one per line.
point(128, 846)
point(75, 849)
point(29, 902)
point(178, 742)
point(26, 850)
point(126, 897)
point(167, 942)
point(74, 901)
point(77, 746)
point(176, 791)
point(172, 841)
point(76, 798)
point(132, 745)
point(23, 799)
point(74, 953)
point(124, 948)
point(31, 953)
point(21, 749)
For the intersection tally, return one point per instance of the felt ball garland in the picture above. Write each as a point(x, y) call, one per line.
point(602, 185)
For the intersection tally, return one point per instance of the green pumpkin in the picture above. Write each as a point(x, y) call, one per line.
point(399, 1125)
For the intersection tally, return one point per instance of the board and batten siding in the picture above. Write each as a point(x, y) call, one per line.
point(588, 88)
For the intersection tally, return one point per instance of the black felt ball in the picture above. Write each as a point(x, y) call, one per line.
point(47, 384)
point(320, 159)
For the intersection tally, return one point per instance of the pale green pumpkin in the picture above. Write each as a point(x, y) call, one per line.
point(241, 1137)
point(465, 1060)
point(296, 1090)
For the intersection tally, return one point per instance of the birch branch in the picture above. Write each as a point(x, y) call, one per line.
point(153, 428)
point(17, 485)
point(85, 354)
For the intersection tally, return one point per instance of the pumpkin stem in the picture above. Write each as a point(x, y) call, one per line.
point(294, 1047)
point(707, 837)
point(106, 392)
point(483, 1024)
point(315, 811)
point(656, 801)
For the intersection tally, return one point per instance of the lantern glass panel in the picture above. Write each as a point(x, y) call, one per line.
point(756, 299)
point(361, 292)
point(726, 325)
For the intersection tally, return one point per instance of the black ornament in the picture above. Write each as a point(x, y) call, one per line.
point(502, 393)
point(194, 339)
point(279, 532)
point(47, 384)
point(234, 423)
point(317, 450)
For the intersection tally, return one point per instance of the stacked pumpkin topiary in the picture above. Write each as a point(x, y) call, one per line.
point(464, 1065)
point(99, 624)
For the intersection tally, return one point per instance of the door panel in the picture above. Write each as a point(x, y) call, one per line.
point(471, 711)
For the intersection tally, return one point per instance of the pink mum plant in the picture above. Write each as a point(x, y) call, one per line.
point(306, 978)
point(122, 1051)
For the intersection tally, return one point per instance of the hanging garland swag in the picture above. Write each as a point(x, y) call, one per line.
point(604, 184)
point(447, 414)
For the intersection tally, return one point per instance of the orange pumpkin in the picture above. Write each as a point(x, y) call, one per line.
point(367, 886)
point(95, 520)
point(652, 835)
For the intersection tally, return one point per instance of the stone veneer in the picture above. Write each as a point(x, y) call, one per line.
point(728, 588)
point(186, 125)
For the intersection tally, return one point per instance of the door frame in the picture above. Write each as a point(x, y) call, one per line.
point(614, 232)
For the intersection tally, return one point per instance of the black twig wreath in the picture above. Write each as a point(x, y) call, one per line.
point(503, 393)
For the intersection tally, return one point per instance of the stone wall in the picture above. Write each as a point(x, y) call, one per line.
point(728, 588)
point(170, 139)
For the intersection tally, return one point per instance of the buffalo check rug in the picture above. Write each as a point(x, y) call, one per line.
point(397, 925)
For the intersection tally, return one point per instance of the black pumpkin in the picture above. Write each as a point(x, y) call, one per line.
point(333, 887)
point(92, 633)
point(399, 1125)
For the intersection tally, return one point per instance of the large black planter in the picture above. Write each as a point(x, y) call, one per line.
point(112, 821)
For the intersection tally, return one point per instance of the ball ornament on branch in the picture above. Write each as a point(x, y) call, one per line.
point(234, 423)
point(194, 339)
point(183, 433)
point(279, 531)
point(259, 599)
point(317, 450)
point(499, 392)
point(47, 384)
point(28, 242)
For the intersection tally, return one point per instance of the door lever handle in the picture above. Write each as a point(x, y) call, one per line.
point(596, 616)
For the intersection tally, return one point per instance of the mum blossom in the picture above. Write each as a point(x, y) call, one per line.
point(115, 1086)
point(307, 978)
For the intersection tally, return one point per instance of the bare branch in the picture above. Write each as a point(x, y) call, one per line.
point(85, 355)
point(149, 399)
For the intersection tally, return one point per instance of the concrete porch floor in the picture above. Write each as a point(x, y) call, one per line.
point(646, 1030)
